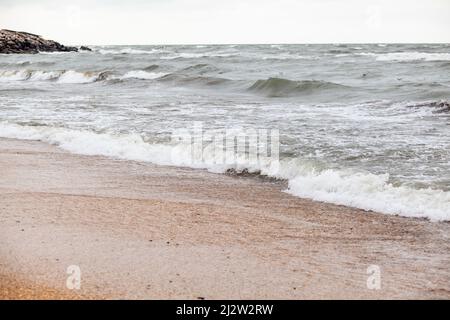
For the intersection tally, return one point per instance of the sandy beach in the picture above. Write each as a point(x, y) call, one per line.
point(142, 231)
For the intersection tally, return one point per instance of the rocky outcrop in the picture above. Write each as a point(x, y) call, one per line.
point(84, 48)
point(24, 42)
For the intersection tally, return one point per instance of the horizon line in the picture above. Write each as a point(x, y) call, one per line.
point(268, 43)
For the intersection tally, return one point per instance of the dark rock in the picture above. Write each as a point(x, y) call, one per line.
point(104, 75)
point(443, 106)
point(84, 48)
point(24, 42)
point(438, 106)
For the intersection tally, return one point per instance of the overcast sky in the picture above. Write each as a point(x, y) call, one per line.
point(229, 21)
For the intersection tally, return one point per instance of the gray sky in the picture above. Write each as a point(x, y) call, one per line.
point(229, 21)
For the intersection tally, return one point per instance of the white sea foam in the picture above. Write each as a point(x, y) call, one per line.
point(12, 75)
point(72, 76)
point(412, 56)
point(44, 75)
point(26, 75)
point(189, 55)
point(128, 51)
point(69, 76)
point(409, 56)
point(56, 53)
point(358, 189)
point(287, 56)
point(372, 192)
point(276, 46)
point(144, 75)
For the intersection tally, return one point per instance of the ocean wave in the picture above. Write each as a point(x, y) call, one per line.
point(72, 76)
point(372, 192)
point(143, 75)
point(75, 77)
point(21, 90)
point(12, 75)
point(64, 76)
point(276, 46)
point(193, 80)
point(409, 56)
point(200, 68)
point(44, 75)
point(278, 87)
point(445, 64)
point(286, 56)
point(151, 67)
point(339, 51)
point(434, 106)
point(227, 53)
point(192, 55)
point(18, 63)
point(305, 179)
point(125, 51)
point(57, 53)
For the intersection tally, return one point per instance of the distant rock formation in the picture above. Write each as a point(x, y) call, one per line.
point(24, 42)
point(84, 48)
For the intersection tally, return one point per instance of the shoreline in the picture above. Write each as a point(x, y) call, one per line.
point(361, 190)
point(143, 231)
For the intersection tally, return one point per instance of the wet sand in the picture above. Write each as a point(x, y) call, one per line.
point(142, 231)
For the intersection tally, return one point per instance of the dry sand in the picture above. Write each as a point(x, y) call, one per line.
point(142, 231)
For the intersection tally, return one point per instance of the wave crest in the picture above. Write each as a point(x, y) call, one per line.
point(278, 87)
point(74, 77)
point(63, 76)
point(142, 75)
point(194, 80)
point(126, 51)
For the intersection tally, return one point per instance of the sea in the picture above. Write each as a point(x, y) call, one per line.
point(361, 125)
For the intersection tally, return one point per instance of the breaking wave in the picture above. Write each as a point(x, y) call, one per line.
point(64, 76)
point(77, 77)
point(305, 179)
point(71, 76)
point(143, 75)
point(74, 77)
